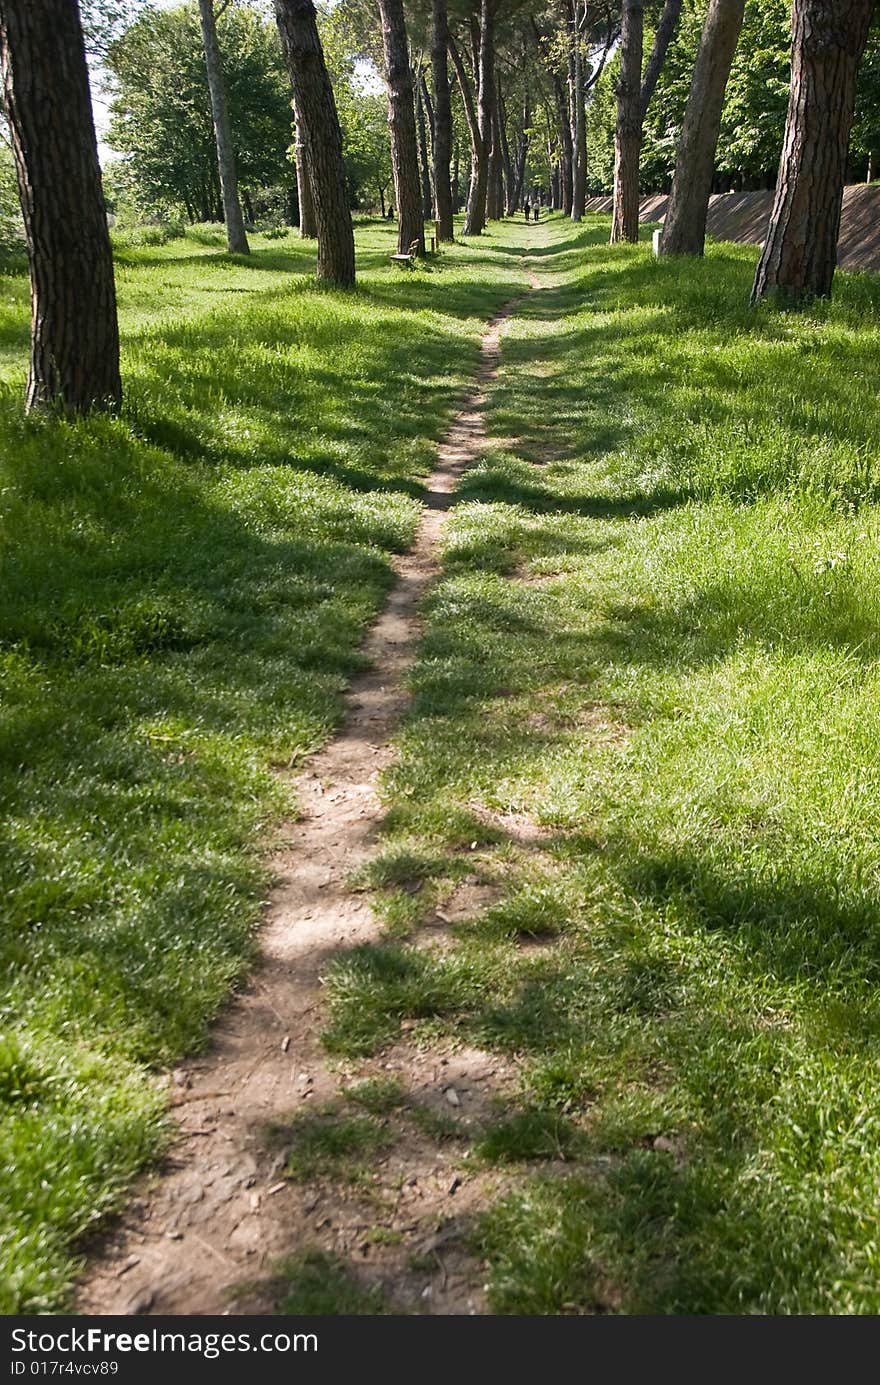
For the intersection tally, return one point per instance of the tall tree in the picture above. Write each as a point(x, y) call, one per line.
point(402, 125)
point(475, 219)
point(322, 138)
point(424, 163)
point(684, 228)
point(236, 239)
point(442, 148)
point(633, 98)
point(628, 128)
point(800, 252)
point(74, 362)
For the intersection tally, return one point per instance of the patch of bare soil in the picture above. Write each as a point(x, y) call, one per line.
point(220, 1214)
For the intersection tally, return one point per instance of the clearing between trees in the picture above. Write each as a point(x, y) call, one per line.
point(616, 1013)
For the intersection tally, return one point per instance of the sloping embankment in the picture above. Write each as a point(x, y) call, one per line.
point(743, 217)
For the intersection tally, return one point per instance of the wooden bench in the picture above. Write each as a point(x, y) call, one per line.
point(409, 257)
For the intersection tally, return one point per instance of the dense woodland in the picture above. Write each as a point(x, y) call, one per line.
point(608, 1041)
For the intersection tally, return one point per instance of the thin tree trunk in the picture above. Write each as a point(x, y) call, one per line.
point(402, 124)
point(684, 228)
point(800, 253)
point(74, 363)
point(442, 119)
point(494, 188)
point(424, 166)
point(628, 129)
point(476, 211)
point(322, 139)
point(565, 163)
point(308, 226)
point(236, 239)
point(662, 39)
point(456, 195)
point(578, 122)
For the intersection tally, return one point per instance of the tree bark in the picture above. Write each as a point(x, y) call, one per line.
point(470, 111)
point(236, 238)
point(74, 365)
point(475, 219)
point(424, 166)
point(628, 128)
point(495, 184)
point(308, 227)
point(442, 119)
point(402, 125)
point(565, 153)
point(800, 253)
point(321, 137)
point(684, 229)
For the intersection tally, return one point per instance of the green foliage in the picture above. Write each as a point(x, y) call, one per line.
point(161, 109)
point(12, 248)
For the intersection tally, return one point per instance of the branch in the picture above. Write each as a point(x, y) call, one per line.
point(662, 39)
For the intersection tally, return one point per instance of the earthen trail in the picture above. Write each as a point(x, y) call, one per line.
point(220, 1213)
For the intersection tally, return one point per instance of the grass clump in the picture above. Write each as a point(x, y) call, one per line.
point(318, 1284)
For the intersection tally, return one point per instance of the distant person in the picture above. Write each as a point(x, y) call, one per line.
point(535, 211)
point(527, 206)
point(390, 213)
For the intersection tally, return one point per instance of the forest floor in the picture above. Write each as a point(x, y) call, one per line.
point(567, 1001)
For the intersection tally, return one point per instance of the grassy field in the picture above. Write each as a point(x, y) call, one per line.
point(183, 593)
point(647, 708)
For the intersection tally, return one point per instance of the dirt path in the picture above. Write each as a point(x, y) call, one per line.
point(206, 1233)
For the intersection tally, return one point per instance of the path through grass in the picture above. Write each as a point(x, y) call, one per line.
point(182, 597)
point(647, 711)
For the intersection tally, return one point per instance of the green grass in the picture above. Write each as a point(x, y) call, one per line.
point(183, 593)
point(657, 638)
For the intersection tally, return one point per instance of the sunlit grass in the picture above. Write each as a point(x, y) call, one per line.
point(656, 645)
point(183, 594)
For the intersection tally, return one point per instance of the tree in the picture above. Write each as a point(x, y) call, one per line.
point(442, 148)
point(74, 363)
point(800, 253)
point(633, 98)
point(402, 125)
point(161, 120)
point(628, 130)
point(684, 228)
point(236, 238)
point(475, 219)
point(321, 137)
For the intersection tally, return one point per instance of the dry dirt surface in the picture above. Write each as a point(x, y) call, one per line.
point(206, 1233)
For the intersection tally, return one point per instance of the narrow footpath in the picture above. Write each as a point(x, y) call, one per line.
point(206, 1234)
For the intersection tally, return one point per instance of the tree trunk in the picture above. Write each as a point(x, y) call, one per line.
point(628, 129)
point(424, 166)
point(308, 227)
point(321, 137)
point(494, 186)
point(684, 229)
point(236, 239)
point(800, 252)
point(74, 362)
point(662, 39)
point(578, 123)
point(476, 211)
point(402, 124)
point(456, 195)
point(565, 157)
point(473, 123)
point(442, 120)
